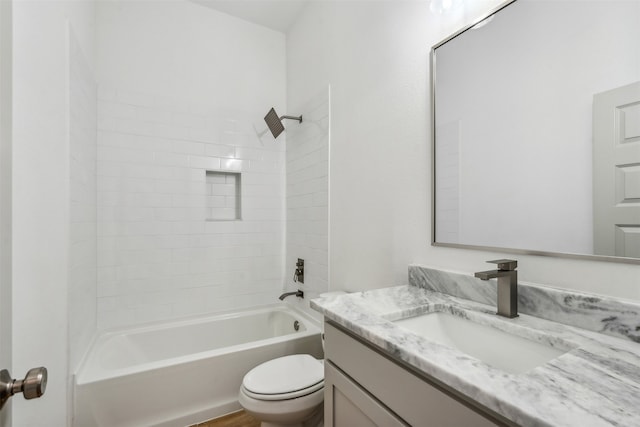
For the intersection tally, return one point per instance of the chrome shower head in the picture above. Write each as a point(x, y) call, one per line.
point(275, 123)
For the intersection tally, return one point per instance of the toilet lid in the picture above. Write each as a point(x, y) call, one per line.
point(284, 375)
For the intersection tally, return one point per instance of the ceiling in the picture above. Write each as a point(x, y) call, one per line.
point(278, 15)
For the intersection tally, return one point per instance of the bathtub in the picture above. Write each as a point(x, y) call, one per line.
point(183, 372)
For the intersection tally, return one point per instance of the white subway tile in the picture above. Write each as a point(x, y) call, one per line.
point(262, 214)
point(114, 319)
point(197, 175)
point(144, 228)
point(200, 162)
point(180, 214)
point(188, 302)
point(154, 115)
point(144, 200)
point(173, 241)
point(215, 201)
point(174, 172)
point(222, 151)
point(135, 243)
point(109, 289)
point(269, 179)
point(222, 213)
point(145, 257)
point(266, 166)
point(188, 147)
point(107, 275)
point(171, 159)
point(180, 187)
point(174, 269)
point(211, 136)
point(215, 178)
point(262, 203)
point(188, 201)
point(170, 104)
point(188, 120)
point(321, 198)
point(116, 154)
point(116, 110)
point(234, 164)
point(169, 131)
point(219, 227)
point(301, 201)
point(136, 98)
point(152, 313)
point(187, 227)
point(106, 93)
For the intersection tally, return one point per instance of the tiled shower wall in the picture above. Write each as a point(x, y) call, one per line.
point(161, 254)
point(82, 209)
point(307, 196)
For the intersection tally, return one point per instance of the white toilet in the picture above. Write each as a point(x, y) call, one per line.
point(287, 391)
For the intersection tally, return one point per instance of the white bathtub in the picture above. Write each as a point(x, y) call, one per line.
point(183, 372)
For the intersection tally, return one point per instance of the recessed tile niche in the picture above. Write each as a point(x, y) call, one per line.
point(223, 196)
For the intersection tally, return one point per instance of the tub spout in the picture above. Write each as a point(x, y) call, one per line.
point(297, 293)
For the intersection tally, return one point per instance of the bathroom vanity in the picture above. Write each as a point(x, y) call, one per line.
point(386, 364)
point(365, 387)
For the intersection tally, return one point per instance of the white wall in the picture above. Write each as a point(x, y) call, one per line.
point(180, 49)
point(183, 90)
point(308, 195)
point(41, 209)
point(375, 55)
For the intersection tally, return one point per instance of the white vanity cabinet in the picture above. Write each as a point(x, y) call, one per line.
point(364, 387)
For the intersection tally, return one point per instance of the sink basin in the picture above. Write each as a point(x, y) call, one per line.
point(494, 347)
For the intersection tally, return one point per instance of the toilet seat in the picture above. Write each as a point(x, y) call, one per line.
point(282, 412)
point(284, 396)
point(284, 378)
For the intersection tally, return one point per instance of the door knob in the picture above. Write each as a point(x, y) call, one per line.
point(32, 386)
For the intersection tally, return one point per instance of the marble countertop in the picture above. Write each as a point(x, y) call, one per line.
point(595, 383)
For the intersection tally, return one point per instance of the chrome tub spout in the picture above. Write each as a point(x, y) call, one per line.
point(297, 293)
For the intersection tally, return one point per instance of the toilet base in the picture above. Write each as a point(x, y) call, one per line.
point(304, 411)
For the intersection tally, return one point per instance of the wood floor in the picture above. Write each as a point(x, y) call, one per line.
point(237, 419)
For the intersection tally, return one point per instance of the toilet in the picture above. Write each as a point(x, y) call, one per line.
point(286, 391)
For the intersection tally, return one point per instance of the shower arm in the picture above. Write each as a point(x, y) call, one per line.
point(298, 118)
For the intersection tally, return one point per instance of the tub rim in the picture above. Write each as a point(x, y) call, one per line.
point(81, 377)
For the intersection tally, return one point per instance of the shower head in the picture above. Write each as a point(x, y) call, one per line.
point(275, 123)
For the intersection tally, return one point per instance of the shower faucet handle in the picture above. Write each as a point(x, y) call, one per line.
point(298, 275)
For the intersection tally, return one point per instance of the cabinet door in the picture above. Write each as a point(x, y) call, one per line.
point(346, 404)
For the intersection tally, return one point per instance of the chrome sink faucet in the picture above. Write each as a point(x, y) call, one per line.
point(507, 285)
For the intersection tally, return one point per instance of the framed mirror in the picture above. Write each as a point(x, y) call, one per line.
point(536, 131)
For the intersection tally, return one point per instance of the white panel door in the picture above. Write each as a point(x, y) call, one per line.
point(5, 197)
point(616, 172)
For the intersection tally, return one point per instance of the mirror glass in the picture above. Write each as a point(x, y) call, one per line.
point(536, 131)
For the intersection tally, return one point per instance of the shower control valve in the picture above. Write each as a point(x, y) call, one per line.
point(298, 275)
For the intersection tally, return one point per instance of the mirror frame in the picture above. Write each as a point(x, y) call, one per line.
point(432, 70)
